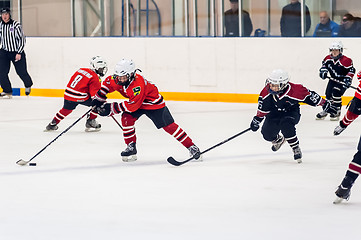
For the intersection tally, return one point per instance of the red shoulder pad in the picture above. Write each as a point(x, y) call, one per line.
point(328, 57)
point(345, 61)
point(298, 91)
point(264, 92)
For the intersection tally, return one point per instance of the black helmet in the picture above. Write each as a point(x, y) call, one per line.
point(5, 10)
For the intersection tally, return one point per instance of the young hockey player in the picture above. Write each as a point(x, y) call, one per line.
point(83, 85)
point(278, 104)
point(353, 111)
point(341, 69)
point(144, 98)
point(354, 170)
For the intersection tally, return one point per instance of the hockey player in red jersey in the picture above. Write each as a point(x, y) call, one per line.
point(82, 87)
point(341, 69)
point(144, 98)
point(278, 104)
point(353, 111)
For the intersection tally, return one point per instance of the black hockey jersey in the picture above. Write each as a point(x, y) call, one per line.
point(339, 68)
point(286, 101)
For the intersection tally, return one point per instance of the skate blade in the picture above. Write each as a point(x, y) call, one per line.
point(335, 119)
point(299, 160)
point(323, 118)
point(338, 200)
point(6, 97)
point(130, 158)
point(92, 129)
point(46, 130)
point(200, 159)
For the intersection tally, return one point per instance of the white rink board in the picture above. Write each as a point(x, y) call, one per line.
point(210, 65)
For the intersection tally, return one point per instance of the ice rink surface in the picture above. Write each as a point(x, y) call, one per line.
point(80, 188)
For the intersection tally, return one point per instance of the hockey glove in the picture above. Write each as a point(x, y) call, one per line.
point(108, 109)
point(97, 103)
point(329, 108)
point(323, 73)
point(347, 82)
point(256, 121)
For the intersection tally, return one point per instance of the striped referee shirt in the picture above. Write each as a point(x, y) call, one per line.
point(12, 37)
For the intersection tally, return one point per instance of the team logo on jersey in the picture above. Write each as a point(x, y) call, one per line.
point(136, 91)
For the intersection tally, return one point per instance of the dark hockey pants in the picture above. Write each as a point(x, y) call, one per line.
point(334, 92)
point(284, 122)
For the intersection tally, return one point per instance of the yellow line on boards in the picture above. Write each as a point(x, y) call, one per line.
point(172, 96)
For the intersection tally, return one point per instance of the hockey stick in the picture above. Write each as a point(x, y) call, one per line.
point(335, 80)
point(172, 161)
point(117, 123)
point(23, 162)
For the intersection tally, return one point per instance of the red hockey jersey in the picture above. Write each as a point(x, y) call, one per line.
point(84, 84)
point(142, 94)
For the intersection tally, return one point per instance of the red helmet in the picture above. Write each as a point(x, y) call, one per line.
point(359, 75)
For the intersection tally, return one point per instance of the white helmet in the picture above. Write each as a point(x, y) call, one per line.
point(336, 45)
point(124, 67)
point(99, 65)
point(278, 77)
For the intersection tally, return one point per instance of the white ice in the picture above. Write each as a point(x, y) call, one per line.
point(80, 188)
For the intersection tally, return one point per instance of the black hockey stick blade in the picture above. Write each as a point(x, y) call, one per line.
point(174, 162)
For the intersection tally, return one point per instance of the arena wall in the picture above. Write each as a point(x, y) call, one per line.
point(188, 69)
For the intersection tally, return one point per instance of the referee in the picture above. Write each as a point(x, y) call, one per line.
point(12, 41)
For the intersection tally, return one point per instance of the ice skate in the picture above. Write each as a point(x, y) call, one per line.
point(278, 142)
point(195, 152)
point(53, 126)
point(6, 95)
point(339, 129)
point(129, 154)
point(321, 115)
point(342, 193)
point(27, 91)
point(92, 125)
point(335, 117)
point(297, 154)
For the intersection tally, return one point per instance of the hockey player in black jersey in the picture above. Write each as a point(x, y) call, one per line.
point(278, 104)
point(340, 68)
point(343, 191)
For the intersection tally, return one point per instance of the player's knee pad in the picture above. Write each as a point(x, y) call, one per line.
point(337, 92)
point(269, 135)
point(128, 120)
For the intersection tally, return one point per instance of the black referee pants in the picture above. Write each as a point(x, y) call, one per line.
point(20, 68)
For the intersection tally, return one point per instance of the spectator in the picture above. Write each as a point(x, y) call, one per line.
point(12, 41)
point(291, 20)
point(326, 27)
point(350, 26)
point(231, 21)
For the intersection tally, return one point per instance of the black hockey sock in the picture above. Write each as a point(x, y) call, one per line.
point(349, 179)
